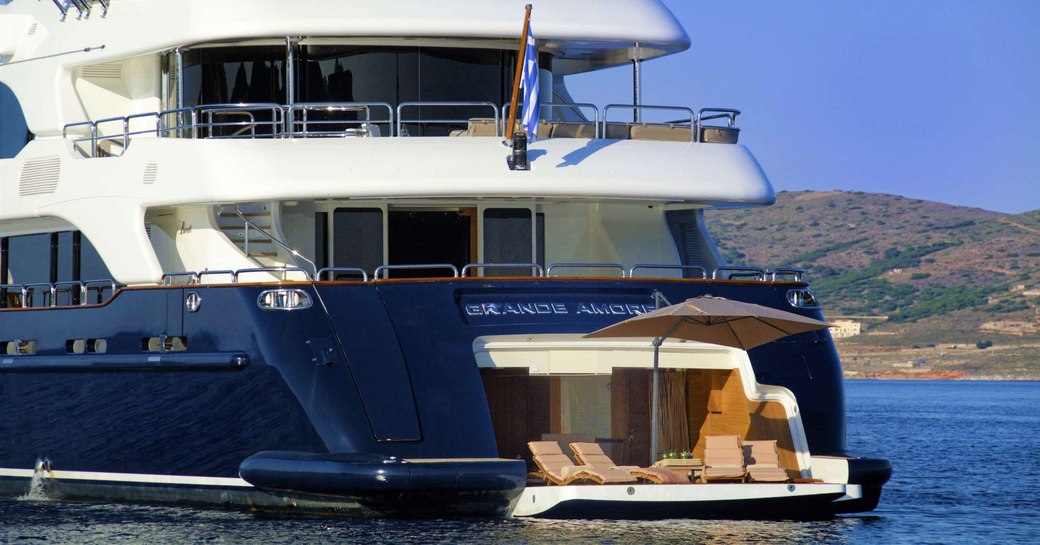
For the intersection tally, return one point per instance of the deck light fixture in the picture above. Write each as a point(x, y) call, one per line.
point(518, 160)
point(284, 299)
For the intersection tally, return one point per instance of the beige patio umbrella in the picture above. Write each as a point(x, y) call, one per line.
point(709, 319)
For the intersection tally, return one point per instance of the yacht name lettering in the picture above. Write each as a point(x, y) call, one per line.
point(503, 309)
point(520, 309)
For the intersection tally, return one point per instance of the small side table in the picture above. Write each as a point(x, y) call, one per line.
point(690, 466)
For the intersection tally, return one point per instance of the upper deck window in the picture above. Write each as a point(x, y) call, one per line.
point(352, 73)
point(406, 74)
point(234, 75)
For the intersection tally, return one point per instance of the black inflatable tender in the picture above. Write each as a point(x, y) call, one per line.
point(391, 486)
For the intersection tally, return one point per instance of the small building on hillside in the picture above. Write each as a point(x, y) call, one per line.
point(845, 328)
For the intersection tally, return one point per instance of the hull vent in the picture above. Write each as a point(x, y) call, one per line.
point(112, 70)
point(151, 172)
point(39, 176)
point(32, 29)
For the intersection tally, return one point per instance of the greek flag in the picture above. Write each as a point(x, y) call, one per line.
point(529, 82)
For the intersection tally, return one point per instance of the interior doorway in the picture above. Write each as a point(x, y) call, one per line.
point(431, 237)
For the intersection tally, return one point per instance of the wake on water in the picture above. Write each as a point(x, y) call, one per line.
point(38, 484)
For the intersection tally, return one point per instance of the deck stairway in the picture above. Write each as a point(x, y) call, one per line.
point(252, 242)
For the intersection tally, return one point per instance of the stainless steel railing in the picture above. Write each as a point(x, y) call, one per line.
point(332, 119)
point(402, 120)
point(112, 136)
point(83, 7)
point(47, 294)
point(332, 274)
point(96, 292)
point(292, 251)
point(579, 109)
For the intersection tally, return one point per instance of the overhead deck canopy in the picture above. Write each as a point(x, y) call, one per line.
point(572, 354)
point(582, 34)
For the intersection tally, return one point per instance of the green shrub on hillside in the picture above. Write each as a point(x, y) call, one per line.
point(877, 295)
point(935, 301)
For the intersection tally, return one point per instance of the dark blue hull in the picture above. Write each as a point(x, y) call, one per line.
point(379, 367)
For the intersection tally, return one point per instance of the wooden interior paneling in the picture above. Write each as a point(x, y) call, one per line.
point(519, 407)
point(733, 418)
point(716, 380)
point(718, 405)
point(769, 421)
point(630, 413)
point(698, 390)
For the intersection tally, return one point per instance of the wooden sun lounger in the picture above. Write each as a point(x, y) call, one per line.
point(557, 467)
point(590, 454)
point(763, 462)
point(723, 459)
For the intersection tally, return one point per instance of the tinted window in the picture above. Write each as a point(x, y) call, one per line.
point(397, 74)
point(507, 239)
point(29, 259)
point(234, 75)
point(223, 75)
point(357, 238)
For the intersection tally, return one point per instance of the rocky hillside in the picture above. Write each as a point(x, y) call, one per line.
point(930, 272)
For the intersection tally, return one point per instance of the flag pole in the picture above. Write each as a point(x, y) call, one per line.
point(520, 58)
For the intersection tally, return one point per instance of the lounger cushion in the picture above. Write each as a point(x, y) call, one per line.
point(763, 462)
point(722, 441)
point(723, 458)
point(545, 447)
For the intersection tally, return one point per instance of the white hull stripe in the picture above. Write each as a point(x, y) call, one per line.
point(136, 478)
point(539, 499)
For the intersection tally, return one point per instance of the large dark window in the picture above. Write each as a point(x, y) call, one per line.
point(14, 133)
point(236, 75)
point(507, 239)
point(46, 259)
point(399, 74)
point(57, 257)
point(357, 238)
point(326, 73)
point(223, 75)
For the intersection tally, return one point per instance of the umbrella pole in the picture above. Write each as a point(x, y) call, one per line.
point(654, 394)
point(654, 403)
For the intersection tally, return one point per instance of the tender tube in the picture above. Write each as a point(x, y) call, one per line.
point(872, 474)
point(363, 475)
point(869, 471)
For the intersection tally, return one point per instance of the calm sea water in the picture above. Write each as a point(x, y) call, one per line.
point(967, 471)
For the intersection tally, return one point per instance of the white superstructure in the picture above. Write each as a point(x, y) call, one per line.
point(128, 149)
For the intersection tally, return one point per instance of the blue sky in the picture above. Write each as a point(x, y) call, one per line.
point(936, 100)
